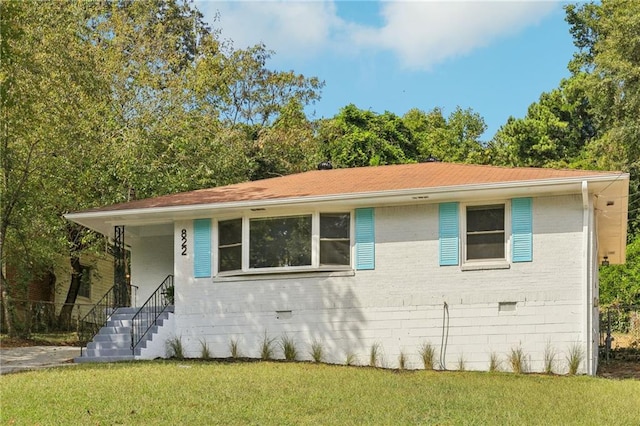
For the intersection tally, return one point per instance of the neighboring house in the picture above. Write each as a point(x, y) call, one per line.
point(476, 260)
point(38, 304)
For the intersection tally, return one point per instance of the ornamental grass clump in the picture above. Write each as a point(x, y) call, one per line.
point(550, 355)
point(316, 351)
point(494, 362)
point(518, 360)
point(205, 351)
point(288, 347)
point(402, 361)
point(266, 348)
point(234, 348)
point(175, 349)
point(374, 355)
point(428, 355)
point(575, 356)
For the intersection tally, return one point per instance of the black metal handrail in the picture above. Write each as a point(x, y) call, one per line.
point(98, 316)
point(148, 314)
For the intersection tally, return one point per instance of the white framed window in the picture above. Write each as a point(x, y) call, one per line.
point(485, 230)
point(284, 243)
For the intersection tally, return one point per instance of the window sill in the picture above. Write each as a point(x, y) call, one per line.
point(284, 274)
point(485, 266)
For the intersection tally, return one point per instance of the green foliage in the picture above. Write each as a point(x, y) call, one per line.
point(620, 284)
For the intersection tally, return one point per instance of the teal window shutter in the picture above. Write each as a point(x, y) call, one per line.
point(521, 230)
point(449, 234)
point(365, 239)
point(202, 248)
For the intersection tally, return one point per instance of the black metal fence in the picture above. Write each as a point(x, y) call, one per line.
point(620, 333)
point(43, 317)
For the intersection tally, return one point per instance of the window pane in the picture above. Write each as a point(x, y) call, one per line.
point(334, 225)
point(230, 258)
point(230, 232)
point(85, 281)
point(230, 245)
point(485, 218)
point(485, 246)
point(335, 252)
point(280, 241)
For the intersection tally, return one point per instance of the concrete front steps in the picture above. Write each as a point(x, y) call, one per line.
point(113, 341)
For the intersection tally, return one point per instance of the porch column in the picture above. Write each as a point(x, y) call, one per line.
point(120, 287)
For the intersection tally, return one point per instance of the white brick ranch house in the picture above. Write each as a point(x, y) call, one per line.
point(475, 260)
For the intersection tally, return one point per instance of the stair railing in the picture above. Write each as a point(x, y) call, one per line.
point(98, 316)
point(148, 314)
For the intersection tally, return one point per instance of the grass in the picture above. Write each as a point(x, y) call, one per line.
point(199, 392)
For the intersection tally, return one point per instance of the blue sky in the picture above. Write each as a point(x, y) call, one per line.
point(493, 57)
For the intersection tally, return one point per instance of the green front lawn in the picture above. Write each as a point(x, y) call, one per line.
point(198, 393)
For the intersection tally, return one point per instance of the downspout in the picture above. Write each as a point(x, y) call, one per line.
point(586, 279)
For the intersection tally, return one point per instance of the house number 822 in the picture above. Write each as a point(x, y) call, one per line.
point(183, 235)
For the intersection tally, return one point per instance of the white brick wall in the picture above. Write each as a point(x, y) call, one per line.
point(399, 305)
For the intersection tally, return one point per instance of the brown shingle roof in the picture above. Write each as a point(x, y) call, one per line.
point(355, 180)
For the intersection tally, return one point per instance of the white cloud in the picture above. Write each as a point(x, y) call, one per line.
point(289, 28)
point(422, 34)
point(419, 33)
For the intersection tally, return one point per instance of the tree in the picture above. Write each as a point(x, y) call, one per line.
point(608, 38)
point(355, 138)
point(105, 101)
point(456, 139)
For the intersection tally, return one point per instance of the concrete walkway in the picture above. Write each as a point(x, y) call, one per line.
point(25, 358)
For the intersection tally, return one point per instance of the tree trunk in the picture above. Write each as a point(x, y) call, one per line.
point(6, 311)
point(64, 319)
